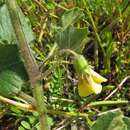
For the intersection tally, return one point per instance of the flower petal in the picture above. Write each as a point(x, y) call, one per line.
point(95, 87)
point(84, 88)
point(97, 77)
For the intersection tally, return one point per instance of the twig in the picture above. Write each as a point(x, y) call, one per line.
point(118, 87)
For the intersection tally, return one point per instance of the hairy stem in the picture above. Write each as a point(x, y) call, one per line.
point(29, 63)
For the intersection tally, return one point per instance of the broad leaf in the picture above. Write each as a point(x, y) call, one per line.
point(10, 83)
point(112, 121)
point(6, 29)
point(71, 16)
point(127, 122)
point(72, 38)
point(12, 72)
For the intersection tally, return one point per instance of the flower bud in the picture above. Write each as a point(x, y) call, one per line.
point(80, 64)
point(89, 80)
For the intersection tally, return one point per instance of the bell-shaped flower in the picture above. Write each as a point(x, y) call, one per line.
point(89, 80)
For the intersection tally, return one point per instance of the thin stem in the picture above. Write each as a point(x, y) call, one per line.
point(51, 53)
point(126, 7)
point(29, 63)
point(93, 25)
point(43, 6)
point(118, 87)
point(30, 107)
point(27, 107)
point(95, 31)
point(59, 6)
point(67, 114)
point(108, 103)
point(27, 97)
point(69, 51)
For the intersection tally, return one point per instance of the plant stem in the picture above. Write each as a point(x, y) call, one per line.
point(71, 114)
point(27, 107)
point(95, 31)
point(69, 51)
point(29, 63)
point(93, 24)
point(66, 114)
point(51, 53)
point(27, 97)
point(108, 103)
point(30, 107)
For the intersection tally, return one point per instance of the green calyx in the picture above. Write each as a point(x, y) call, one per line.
point(80, 64)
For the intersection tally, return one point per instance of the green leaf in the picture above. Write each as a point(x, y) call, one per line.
point(72, 38)
point(35, 114)
point(12, 71)
point(38, 127)
point(9, 56)
point(15, 110)
point(10, 83)
point(71, 16)
point(110, 121)
point(50, 121)
point(6, 30)
point(31, 119)
point(21, 128)
point(26, 125)
point(127, 122)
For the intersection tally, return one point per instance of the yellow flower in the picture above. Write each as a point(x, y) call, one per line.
point(89, 80)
